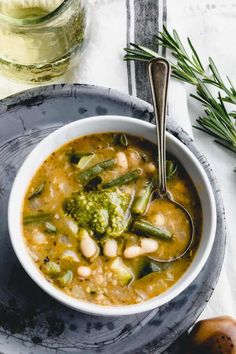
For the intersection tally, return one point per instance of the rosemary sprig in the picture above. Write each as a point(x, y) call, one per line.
point(188, 67)
point(216, 121)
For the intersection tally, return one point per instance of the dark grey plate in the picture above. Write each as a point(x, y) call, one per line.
point(32, 322)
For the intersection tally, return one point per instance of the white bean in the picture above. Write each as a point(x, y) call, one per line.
point(39, 238)
point(150, 167)
point(70, 255)
point(133, 157)
point(62, 184)
point(110, 248)
point(83, 233)
point(84, 271)
point(88, 246)
point(122, 161)
point(157, 219)
point(133, 251)
point(72, 226)
point(149, 245)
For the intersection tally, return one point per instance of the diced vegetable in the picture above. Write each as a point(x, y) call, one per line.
point(37, 218)
point(95, 170)
point(75, 157)
point(149, 266)
point(93, 184)
point(84, 161)
point(171, 168)
point(65, 279)
point(123, 273)
point(141, 201)
point(37, 191)
point(52, 268)
point(143, 227)
point(123, 140)
point(124, 179)
point(50, 228)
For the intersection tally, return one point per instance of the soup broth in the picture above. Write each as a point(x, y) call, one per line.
point(92, 221)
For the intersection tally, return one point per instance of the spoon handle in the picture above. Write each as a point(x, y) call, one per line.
point(159, 74)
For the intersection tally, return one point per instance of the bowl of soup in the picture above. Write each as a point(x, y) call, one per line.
point(86, 223)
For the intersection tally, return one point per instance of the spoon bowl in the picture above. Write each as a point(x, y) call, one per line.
point(181, 241)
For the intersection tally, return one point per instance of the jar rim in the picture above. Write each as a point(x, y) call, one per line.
point(36, 21)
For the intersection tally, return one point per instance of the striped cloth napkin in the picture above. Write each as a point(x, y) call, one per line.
point(211, 25)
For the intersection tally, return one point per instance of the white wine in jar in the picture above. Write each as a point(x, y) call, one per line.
point(40, 39)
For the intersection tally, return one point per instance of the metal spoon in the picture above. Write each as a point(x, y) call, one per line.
point(159, 74)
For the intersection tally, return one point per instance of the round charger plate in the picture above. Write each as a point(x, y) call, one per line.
point(31, 321)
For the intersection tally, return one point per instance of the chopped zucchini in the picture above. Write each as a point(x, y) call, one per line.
point(52, 269)
point(93, 184)
point(75, 157)
point(84, 161)
point(123, 273)
point(149, 266)
point(65, 279)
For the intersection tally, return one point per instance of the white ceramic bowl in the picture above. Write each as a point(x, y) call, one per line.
point(100, 125)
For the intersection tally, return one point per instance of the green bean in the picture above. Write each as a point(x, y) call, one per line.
point(95, 170)
point(141, 201)
point(145, 228)
point(123, 140)
point(37, 191)
point(171, 168)
point(36, 218)
point(124, 179)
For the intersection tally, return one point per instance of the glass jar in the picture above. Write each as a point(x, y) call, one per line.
point(40, 39)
